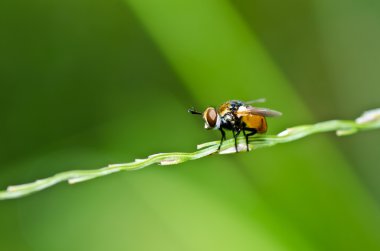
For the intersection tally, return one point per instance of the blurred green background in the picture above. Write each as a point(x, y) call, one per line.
point(86, 83)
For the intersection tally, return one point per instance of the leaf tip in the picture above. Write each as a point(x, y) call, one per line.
point(369, 117)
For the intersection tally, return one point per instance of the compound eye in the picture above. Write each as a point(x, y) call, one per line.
point(210, 117)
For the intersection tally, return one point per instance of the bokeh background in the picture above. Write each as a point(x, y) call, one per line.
point(85, 83)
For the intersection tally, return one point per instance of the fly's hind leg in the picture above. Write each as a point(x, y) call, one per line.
point(252, 131)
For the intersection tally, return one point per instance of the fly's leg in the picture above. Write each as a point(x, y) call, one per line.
point(246, 140)
point(235, 137)
point(252, 132)
point(233, 133)
point(223, 138)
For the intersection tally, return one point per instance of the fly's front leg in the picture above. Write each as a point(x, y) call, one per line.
point(223, 137)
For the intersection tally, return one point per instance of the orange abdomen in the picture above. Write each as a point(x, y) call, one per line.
point(256, 122)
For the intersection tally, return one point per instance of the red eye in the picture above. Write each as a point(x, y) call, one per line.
point(210, 116)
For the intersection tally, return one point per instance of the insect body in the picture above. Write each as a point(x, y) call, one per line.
point(238, 117)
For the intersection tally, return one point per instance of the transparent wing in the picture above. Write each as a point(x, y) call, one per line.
point(260, 100)
point(258, 111)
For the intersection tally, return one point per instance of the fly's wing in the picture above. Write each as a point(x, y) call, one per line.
point(247, 110)
point(260, 100)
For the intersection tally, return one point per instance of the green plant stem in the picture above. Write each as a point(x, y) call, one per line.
point(369, 120)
